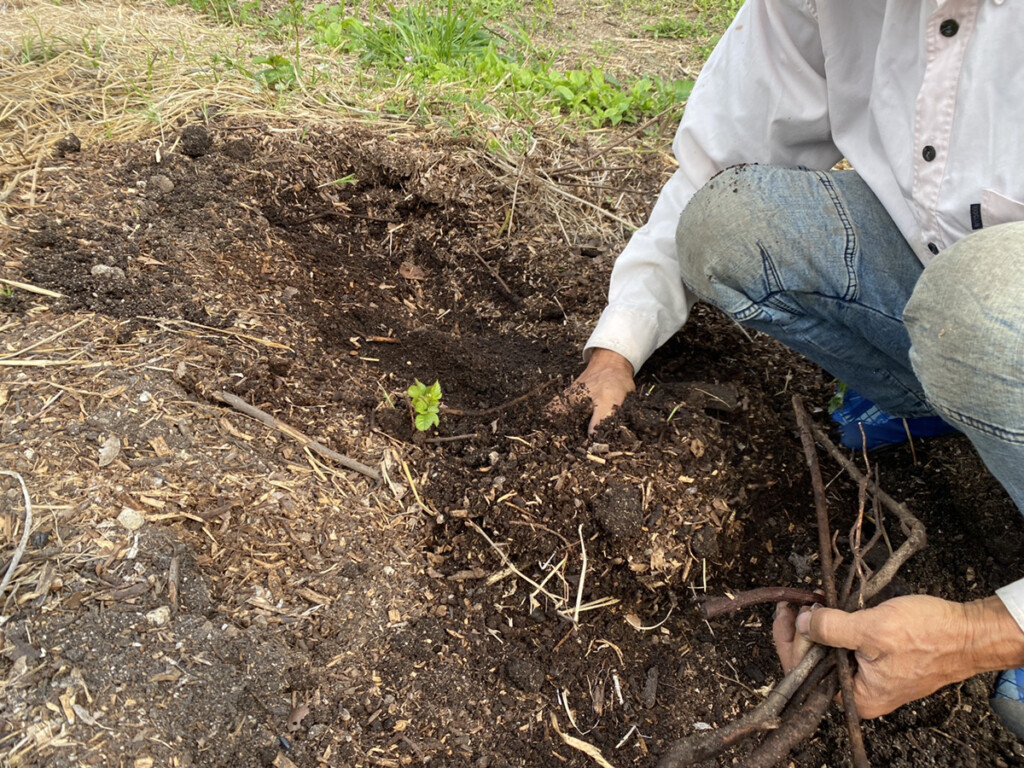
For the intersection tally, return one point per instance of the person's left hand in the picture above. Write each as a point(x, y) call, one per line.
point(906, 647)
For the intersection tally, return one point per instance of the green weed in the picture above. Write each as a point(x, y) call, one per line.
point(39, 48)
point(438, 57)
point(279, 73)
point(703, 24)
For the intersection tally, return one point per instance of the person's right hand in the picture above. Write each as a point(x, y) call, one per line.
point(607, 379)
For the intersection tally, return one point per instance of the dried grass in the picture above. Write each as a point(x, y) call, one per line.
point(109, 70)
point(126, 72)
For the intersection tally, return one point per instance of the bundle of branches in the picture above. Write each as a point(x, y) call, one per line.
point(793, 710)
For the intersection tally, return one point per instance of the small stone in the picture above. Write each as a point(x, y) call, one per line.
point(802, 563)
point(107, 271)
point(159, 185)
point(159, 617)
point(131, 519)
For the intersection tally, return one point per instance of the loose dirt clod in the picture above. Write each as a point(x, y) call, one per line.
point(195, 141)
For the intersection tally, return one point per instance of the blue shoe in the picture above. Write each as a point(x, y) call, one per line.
point(1007, 701)
point(850, 410)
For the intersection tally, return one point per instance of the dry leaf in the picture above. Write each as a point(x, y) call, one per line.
point(83, 714)
point(109, 450)
point(295, 718)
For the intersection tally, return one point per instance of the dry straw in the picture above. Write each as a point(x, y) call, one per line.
point(136, 71)
point(128, 71)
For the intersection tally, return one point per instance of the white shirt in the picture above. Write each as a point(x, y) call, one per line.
point(925, 98)
point(808, 82)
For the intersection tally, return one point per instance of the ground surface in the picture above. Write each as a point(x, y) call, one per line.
point(201, 590)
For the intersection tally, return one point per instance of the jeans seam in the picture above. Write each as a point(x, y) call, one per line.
point(1009, 435)
point(850, 249)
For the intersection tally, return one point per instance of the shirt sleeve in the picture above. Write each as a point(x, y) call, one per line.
point(761, 98)
point(1012, 596)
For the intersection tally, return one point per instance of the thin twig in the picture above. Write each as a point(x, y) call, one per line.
point(583, 575)
point(452, 438)
point(719, 606)
point(507, 562)
point(505, 290)
point(907, 519)
point(262, 416)
point(774, 749)
point(803, 420)
point(764, 717)
point(20, 549)
point(912, 527)
point(820, 504)
point(31, 288)
point(43, 342)
point(163, 322)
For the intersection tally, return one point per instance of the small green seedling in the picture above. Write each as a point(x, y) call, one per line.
point(426, 402)
point(837, 399)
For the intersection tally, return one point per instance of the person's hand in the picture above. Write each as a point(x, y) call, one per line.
point(789, 644)
point(908, 647)
point(606, 381)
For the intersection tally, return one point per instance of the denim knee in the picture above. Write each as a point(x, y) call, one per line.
point(966, 324)
point(713, 228)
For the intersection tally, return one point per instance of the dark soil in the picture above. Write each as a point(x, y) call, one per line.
point(367, 259)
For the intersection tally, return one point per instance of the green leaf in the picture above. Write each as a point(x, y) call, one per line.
point(425, 421)
point(564, 92)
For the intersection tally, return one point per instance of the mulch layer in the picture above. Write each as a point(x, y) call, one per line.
point(205, 589)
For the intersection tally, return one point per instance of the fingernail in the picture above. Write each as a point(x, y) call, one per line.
point(780, 607)
point(803, 622)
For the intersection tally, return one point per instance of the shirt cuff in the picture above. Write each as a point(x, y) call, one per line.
point(1012, 596)
point(631, 333)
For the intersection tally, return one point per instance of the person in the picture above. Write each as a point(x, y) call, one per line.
point(903, 277)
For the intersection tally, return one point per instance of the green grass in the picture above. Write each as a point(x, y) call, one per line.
point(702, 23)
point(440, 59)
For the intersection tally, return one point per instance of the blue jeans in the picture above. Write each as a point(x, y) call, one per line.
point(813, 259)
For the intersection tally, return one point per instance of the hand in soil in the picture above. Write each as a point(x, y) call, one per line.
point(909, 647)
point(607, 379)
